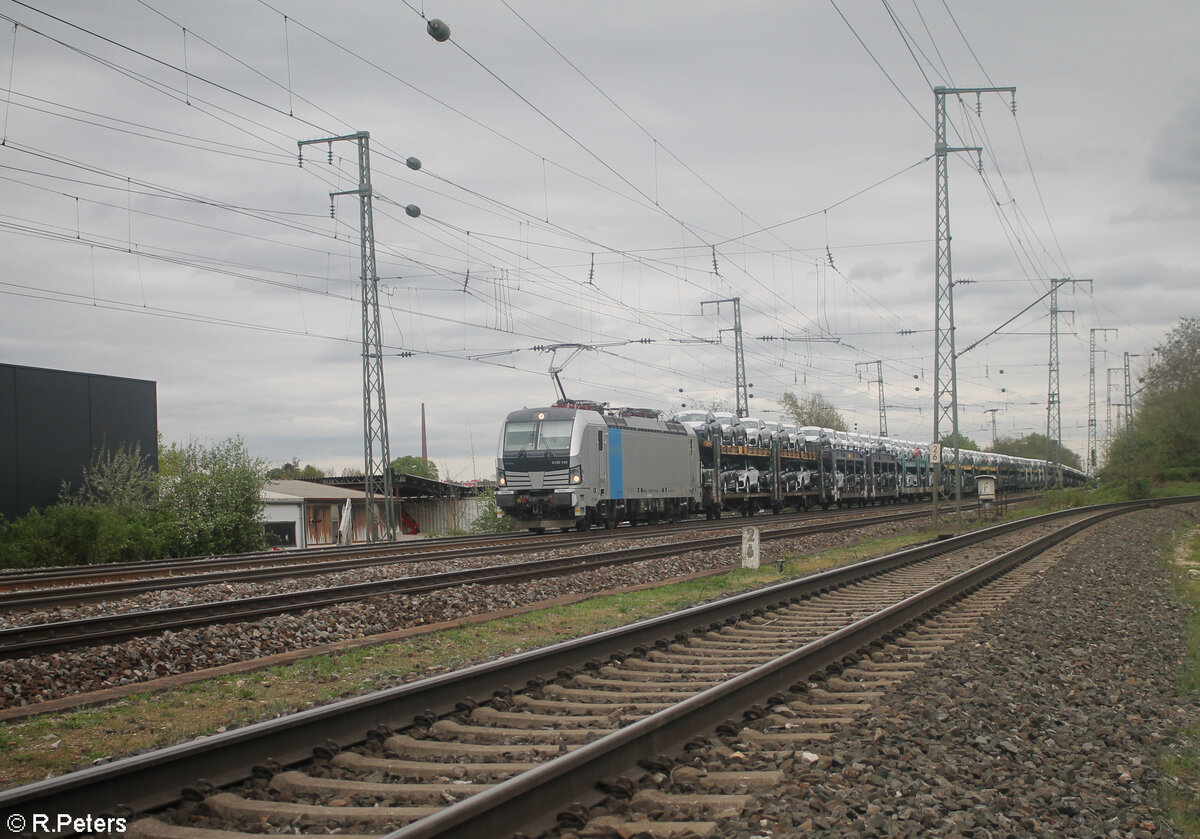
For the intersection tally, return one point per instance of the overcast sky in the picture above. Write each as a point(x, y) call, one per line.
point(592, 173)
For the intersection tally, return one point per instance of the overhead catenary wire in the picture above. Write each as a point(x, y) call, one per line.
point(437, 256)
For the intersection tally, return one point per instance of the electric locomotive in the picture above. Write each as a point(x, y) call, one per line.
point(580, 464)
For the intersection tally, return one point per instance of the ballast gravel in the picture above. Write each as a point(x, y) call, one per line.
point(28, 681)
point(1045, 723)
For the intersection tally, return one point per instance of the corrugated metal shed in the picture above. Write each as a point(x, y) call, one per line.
point(303, 514)
point(314, 491)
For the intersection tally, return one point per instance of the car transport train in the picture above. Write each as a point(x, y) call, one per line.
point(579, 464)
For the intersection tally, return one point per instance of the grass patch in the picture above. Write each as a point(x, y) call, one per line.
point(1181, 760)
point(1107, 493)
point(53, 744)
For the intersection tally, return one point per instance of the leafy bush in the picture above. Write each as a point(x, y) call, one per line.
point(1137, 488)
point(214, 494)
point(205, 500)
point(489, 519)
point(1162, 443)
point(72, 535)
point(1182, 474)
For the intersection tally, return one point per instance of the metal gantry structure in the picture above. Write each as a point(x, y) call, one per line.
point(945, 367)
point(377, 460)
point(742, 392)
point(1128, 391)
point(993, 412)
point(1109, 426)
point(883, 432)
point(1093, 442)
point(1053, 394)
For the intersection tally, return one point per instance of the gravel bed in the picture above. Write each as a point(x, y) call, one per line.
point(1046, 722)
point(222, 592)
point(33, 680)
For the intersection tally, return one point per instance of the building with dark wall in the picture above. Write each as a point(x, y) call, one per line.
point(51, 421)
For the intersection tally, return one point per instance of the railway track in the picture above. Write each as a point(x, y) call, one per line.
point(466, 755)
point(24, 641)
point(82, 584)
point(75, 585)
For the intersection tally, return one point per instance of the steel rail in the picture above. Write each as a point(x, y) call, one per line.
point(74, 579)
point(95, 592)
point(257, 568)
point(139, 568)
point(527, 803)
point(147, 781)
point(23, 641)
point(133, 578)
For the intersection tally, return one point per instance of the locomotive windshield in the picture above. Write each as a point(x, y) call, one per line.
point(533, 436)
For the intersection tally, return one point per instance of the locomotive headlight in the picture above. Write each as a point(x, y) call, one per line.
point(500, 479)
point(576, 475)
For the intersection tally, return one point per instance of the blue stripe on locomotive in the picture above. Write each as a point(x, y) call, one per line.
point(616, 474)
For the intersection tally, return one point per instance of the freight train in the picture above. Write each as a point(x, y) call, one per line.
point(579, 464)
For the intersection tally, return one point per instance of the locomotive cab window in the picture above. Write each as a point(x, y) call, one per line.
point(544, 436)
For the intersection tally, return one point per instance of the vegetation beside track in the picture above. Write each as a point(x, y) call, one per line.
point(1180, 761)
point(55, 743)
point(203, 499)
point(59, 742)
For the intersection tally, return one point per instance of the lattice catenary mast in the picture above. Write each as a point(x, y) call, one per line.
point(377, 460)
point(743, 393)
point(1053, 394)
point(1092, 462)
point(945, 369)
point(883, 432)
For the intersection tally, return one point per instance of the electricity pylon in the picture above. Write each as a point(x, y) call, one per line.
point(1053, 395)
point(377, 459)
point(945, 368)
point(1092, 462)
point(739, 354)
point(883, 432)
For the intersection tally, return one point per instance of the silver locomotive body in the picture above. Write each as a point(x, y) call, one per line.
point(580, 465)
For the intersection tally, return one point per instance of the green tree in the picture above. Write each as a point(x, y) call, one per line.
point(489, 519)
point(1034, 446)
point(418, 466)
point(964, 443)
point(813, 410)
point(1163, 441)
point(292, 471)
point(112, 516)
point(214, 495)
point(122, 477)
point(204, 500)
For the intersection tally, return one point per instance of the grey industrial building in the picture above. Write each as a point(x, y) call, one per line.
point(51, 422)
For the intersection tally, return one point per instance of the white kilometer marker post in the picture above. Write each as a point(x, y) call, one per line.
point(750, 547)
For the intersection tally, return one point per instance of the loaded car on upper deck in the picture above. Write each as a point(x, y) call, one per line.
point(702, 422)
point(756, 432)
point(733, 433)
